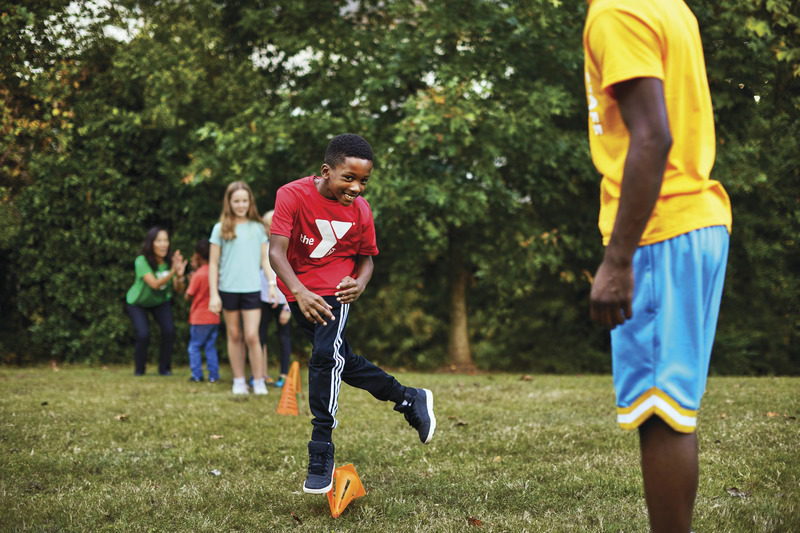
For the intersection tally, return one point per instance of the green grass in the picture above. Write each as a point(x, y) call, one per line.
point(538, 455)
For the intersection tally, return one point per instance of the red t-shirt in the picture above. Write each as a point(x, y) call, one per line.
point(325, 237)
point(198, 289)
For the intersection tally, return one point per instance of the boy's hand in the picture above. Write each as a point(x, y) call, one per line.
point(314, 307)
point(349, 290)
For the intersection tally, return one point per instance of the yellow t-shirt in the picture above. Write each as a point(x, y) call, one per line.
point(627, 39)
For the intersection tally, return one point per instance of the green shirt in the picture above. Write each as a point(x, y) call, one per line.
point(141, 293)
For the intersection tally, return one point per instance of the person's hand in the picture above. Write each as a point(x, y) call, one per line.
point(273, 295)
point(178, 263)
point(348, 290)
point(612, 294)
point(215, 304)
point(314, 307)
point(285, 316)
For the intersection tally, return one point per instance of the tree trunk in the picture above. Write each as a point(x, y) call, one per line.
point(458, 352)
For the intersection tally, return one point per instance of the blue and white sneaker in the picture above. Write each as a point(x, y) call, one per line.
point(320, 468)
point(418, 411)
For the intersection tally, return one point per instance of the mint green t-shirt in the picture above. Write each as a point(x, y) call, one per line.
point(141, 293)
point(240, 258)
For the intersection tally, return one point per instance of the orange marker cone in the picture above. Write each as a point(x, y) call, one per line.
point(294, 375)
point(346, 487)
point(288, 403)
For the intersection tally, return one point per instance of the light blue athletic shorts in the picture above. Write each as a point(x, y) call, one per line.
point(660, 356)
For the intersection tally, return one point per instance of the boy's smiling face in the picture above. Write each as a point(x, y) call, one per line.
point(346, 182)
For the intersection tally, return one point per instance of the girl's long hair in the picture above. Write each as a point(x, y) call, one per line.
point(227, 217)
point(147, 248)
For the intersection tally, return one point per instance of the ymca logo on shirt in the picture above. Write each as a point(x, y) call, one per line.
point(330, 231)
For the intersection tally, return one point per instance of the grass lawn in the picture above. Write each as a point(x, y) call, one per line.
point(95, 449)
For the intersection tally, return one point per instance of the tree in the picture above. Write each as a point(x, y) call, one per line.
point(751, 54)
point(38, 78)
point(484, 194)
point(460, 109)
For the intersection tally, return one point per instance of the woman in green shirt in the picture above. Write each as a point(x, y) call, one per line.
point(158, 274)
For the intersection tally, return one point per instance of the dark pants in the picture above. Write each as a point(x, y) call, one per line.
point(163, 315)
point(284, 340)
point(333, 361)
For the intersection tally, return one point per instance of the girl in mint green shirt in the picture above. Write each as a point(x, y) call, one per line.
point(237, 254)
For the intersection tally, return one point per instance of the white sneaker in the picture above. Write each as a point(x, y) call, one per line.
point(259, 387)
point(240, 388)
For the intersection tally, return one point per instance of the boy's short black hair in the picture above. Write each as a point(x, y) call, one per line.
point(347, 145)
point(201, 248)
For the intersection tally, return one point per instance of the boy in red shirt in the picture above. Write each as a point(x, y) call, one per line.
point(321, 247)
point(203, 324)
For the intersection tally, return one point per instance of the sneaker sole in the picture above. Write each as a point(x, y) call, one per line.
point(323, 490)
point(429, 403)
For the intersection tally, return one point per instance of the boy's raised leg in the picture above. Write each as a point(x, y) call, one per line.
point(417, 407)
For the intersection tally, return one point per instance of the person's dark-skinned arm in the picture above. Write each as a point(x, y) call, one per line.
point(349, 289)
point(643, 109)
point(312, 305)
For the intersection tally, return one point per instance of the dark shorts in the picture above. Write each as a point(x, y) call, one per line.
point(235, 301)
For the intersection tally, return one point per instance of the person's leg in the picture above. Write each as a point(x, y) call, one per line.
point(332, 361)
point(251, 318)
point(415, 404)
point(212, 358)
point(139, 318)
point(233, 329)
point(323, 382)
point(693, 277)
point(263, 327)
point(163, 315)
point(670, 472)
point(284, 339)
point(323, 389)
point(197, 337)
point(660, 363)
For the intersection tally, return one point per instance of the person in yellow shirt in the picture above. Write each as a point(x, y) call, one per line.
point(666, 229)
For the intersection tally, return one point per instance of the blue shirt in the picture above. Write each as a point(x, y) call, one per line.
point(240, 258)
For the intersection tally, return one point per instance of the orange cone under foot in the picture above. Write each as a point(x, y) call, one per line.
point(346, 487)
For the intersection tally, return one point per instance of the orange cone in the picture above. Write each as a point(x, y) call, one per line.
point(346, 488)
point(288, 403)
point(294, 375)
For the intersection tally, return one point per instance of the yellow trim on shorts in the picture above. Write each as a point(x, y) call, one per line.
point(657, 402)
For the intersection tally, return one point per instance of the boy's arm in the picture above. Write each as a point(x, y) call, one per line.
point(349, 288)
point(189, 294)
point(643, 109)
point(313, 306)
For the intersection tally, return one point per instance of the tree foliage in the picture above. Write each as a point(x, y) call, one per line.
point(483, 190)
